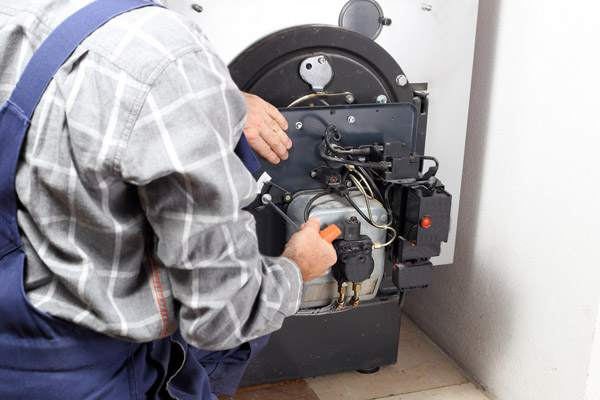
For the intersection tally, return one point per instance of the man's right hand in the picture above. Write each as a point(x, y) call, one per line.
point(309, 251)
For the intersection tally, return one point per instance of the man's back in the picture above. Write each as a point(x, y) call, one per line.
point(130, 192)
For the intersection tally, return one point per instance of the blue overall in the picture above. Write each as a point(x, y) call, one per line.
point(42, 357)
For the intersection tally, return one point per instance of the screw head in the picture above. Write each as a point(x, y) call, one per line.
point(401, 80)
point(298, 125)
point(287, 198)
point(197, 7)
point(348, 183)
point(313, 174)
point(321, 60)
point(426, 7)
point(382, 99)
point(351, 119)
point(266, 198)
point(386, 21)
point(349, 99)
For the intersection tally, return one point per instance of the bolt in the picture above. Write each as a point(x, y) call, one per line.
point(287, 198)
point(298, 125)
point(351, 119)
point(381, 99)
point(356, 289)
point(348, 183)
point(386, 21)
point(342, 294)
point(313, 174)
point(401, 80)
point(321, 60)
point(266, 198)
point(349, 99)
point(426, 7)
point(197, 7)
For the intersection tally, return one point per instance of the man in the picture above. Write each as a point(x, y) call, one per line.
point(130, 210)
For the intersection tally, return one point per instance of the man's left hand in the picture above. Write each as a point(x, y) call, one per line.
point(265, 128)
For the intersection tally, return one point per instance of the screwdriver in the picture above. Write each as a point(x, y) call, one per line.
point(328, 234)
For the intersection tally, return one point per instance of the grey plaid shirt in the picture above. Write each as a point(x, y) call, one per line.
point(130, 192)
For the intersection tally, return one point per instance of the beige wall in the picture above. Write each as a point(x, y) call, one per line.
point(518, 308)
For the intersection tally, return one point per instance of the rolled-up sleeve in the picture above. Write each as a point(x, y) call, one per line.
point(192, 188)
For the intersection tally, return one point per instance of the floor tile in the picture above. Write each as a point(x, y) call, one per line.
point(420, 367)
point(290, 390)
point(457, 392)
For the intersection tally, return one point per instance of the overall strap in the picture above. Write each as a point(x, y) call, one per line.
point(59, 46)
point(16, 113)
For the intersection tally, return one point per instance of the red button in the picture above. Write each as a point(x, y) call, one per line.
point(426, 222)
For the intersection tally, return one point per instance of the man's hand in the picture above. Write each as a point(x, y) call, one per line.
point(265, 128)
point(309, 251)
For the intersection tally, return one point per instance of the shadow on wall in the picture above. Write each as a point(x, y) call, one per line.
point(455, 310)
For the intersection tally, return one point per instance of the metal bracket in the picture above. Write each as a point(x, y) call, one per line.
point(317, 72)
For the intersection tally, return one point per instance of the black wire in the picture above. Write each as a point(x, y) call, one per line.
point(371, 183)
point(384, 202)
point(387, 196)
point(353, 204)
point(330, 146)
point(341, 160)
point(311, 201)
point(432, 170)
point(435, 160)
point(387, 205)
point(306, 191)
point(325, 143)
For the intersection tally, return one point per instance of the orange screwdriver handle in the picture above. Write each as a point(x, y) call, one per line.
point(330, 233)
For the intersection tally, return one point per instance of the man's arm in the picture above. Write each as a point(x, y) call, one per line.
point(192, 188)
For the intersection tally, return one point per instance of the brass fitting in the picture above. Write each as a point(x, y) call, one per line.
point(339, 302)
point(355, 300)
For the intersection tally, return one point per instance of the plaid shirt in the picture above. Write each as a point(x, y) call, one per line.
point(130, 192)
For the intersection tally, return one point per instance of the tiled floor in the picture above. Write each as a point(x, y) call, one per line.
point(422, 373)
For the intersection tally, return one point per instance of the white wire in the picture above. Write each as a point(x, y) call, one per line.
point(361, 188)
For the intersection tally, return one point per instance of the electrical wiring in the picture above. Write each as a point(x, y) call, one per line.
point(432, 170)
point(358, 210)
point(311, 201)
point(364, 193)
point(371, 184)
point(317, 95)
point(326, 144)
point(341, 160)
point(362, 173)
point(306, 191)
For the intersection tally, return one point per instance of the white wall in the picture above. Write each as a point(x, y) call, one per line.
point(519, 306)
point(593, 383)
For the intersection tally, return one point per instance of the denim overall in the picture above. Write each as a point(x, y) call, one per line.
point(42, 357)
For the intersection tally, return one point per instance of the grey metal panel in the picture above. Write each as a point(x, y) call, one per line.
point(372, 123)
point(332, 209)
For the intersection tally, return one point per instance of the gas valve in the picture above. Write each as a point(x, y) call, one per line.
point(355, 263)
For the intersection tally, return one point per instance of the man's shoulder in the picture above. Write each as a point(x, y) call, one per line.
point(143, 41)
